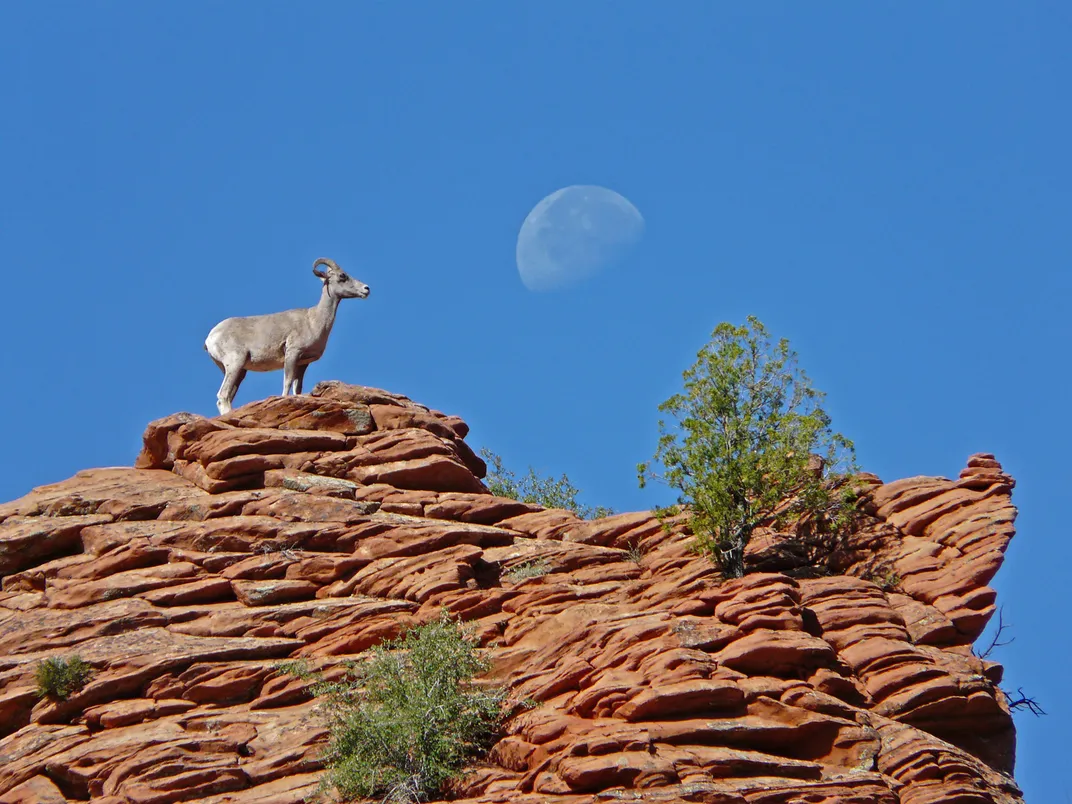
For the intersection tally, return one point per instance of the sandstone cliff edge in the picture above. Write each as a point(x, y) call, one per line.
point(316, 526)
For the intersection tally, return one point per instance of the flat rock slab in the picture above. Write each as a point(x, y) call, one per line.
point(237, 619)
point(152, 650)
point(121, 493)
point(303, 412)
point(25, 541)
point(37, 790)
point(223, 444)
point(267, 592)
point(43, 629)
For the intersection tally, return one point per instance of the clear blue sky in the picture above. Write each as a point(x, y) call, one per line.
point(885, 185)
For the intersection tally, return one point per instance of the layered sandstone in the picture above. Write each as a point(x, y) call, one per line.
point(315, 526)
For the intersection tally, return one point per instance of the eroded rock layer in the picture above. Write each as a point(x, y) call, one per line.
point(316, 526)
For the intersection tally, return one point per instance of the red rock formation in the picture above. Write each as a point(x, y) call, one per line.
point(316, 526)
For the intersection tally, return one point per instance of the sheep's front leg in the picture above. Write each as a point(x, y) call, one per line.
point(232, 378)
point(290, 370)
point(299, 377)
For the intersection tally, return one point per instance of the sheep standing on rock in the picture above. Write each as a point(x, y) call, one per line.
point(289, 340)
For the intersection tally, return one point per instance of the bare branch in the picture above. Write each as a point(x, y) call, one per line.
point(1024, 702)
point(996, 642)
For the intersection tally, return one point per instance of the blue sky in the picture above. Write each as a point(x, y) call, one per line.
point(886, 186)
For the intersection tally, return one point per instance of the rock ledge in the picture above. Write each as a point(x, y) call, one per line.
point(316, 526)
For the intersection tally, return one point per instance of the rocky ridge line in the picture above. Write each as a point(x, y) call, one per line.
point(315, 526)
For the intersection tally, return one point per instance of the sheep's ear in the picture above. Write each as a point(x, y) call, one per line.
point(320, 272)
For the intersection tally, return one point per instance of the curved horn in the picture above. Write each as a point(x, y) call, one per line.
point(324, 261)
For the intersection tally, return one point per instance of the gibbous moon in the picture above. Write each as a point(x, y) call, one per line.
point(573, 233)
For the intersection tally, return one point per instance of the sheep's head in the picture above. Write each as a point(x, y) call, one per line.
point(339, 283)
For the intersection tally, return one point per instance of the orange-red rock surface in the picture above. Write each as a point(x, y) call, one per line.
point(316, 526)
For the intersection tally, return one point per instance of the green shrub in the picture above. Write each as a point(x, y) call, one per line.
point(299, 668)
point(532, 488)
point(58, 678)
point(749, 433)
point(405, 721)
point(635, 554)
point(888, 579)
point(528, 569)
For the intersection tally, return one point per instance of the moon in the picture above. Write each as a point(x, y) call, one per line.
point(574, 233)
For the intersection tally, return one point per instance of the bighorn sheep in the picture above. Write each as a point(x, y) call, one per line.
point(289, 340)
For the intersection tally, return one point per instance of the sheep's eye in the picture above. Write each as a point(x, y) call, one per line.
point(344, 278)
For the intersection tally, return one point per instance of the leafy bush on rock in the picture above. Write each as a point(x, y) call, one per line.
point(748, 434)
point(536, 489)
point(405, 721)
point(58, 678)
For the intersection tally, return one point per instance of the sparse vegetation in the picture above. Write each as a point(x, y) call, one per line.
point(299, 668)
point(532, 488)
point(58, 678)
point(288, 551)
point(405, 721)
point(683, 628)
point(528, 569)
point(747, 434)
point(887, 580)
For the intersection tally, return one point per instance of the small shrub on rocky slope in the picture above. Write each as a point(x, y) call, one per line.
point(532, 488)
point(407, 720)
point(528, 569)
point(58, 678)
point(748, 433)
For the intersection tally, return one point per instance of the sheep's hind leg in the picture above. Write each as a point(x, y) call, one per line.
point(231, 380)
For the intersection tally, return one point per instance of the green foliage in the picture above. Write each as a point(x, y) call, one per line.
point(405, 721)
point(528, 569)
point(299, 668)
point(58, 678)
point(748, 433)
point(888, 580)
point(532, 488)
